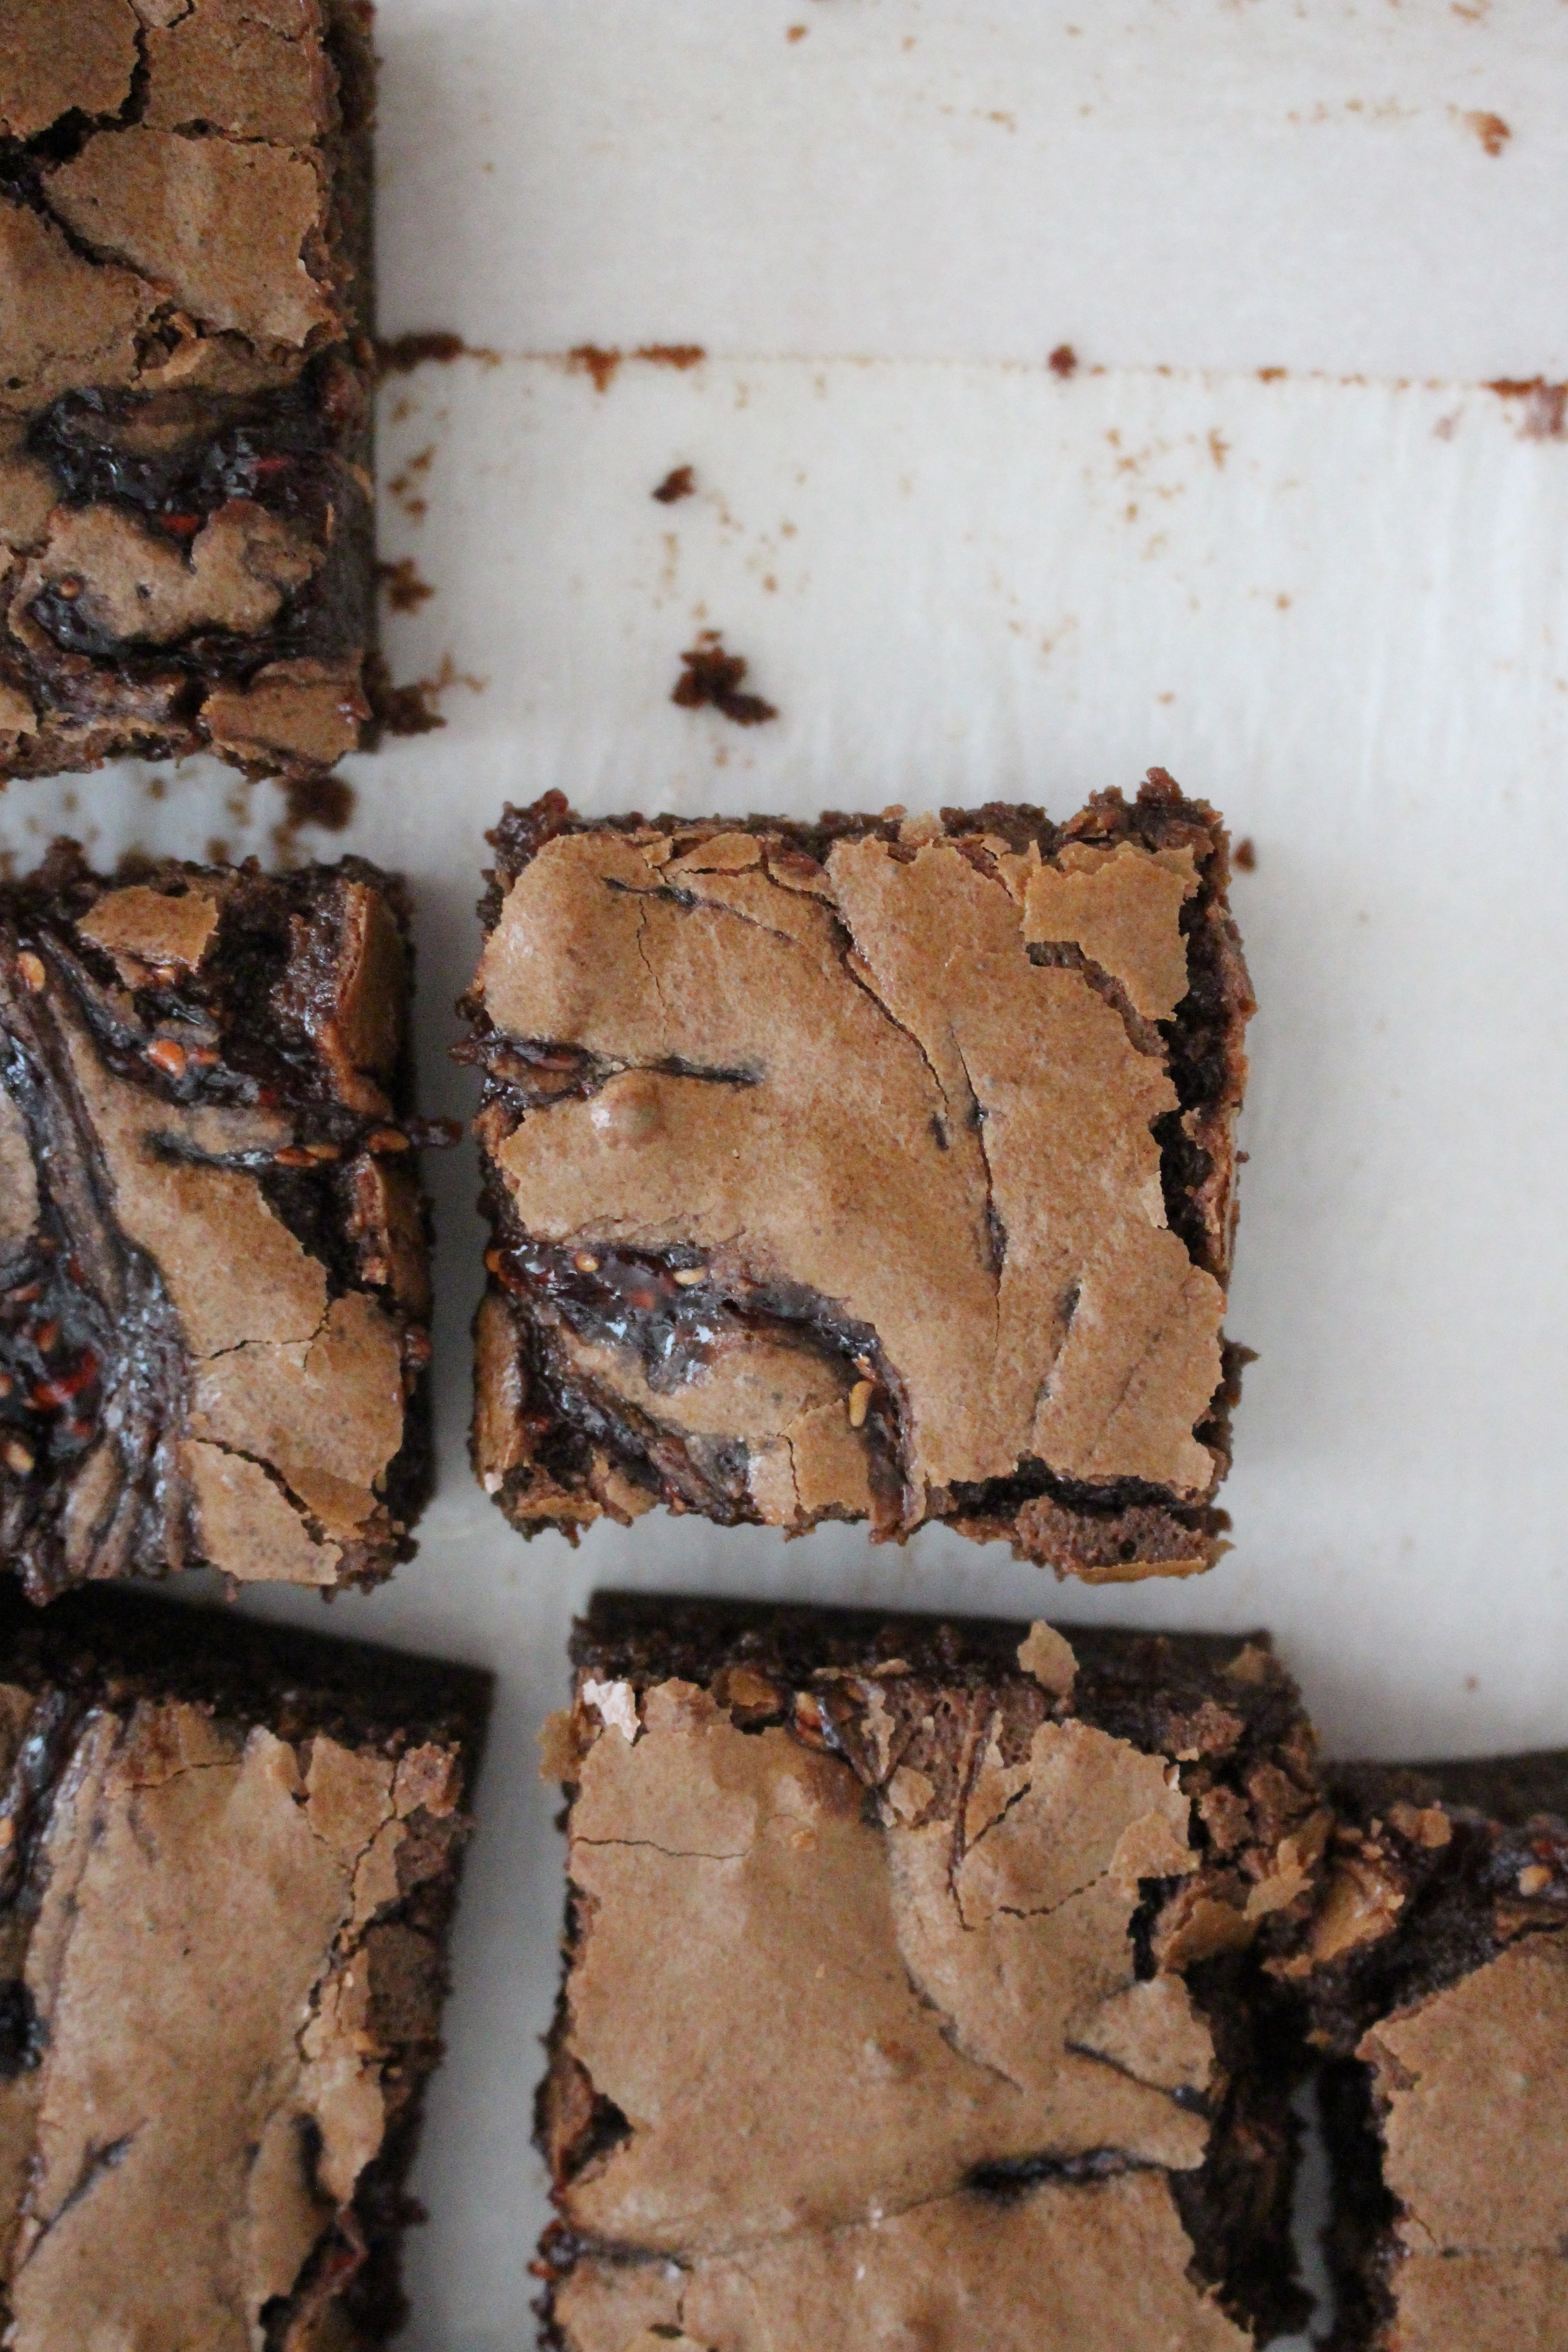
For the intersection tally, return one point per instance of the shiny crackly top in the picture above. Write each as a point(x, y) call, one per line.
point(811, 2003)
point(212, 1273)
point(915, 1086)
point(216, 2009)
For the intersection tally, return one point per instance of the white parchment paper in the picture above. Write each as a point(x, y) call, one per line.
point(1274, 532)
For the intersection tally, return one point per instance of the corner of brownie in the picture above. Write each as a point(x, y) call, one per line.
point(230, 1867)
point(1436, 1974)
point(911, 1961)
point(186, 371)
point(215, 1290)
point(882, 1169)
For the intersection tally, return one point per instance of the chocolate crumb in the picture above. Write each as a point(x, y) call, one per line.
point(323, 801)
point(403, 353)
point(402, 709)
point(1245, 855)
point(712, 677)
point(405, 590)
point(405, 709)
point(681, 483)
point(1063, 360)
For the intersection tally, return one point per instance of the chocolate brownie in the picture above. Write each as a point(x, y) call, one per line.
point(916, 1984)
point(186, 517)
point(874, 1169)
point(230, 1856)
point(1436, 1971)
point(213, 1274)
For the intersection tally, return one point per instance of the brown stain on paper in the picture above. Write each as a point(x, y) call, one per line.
point(603, 362)
point(1544, 415)
point(1490, 129)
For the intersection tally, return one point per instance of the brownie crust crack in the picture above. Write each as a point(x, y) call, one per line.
point(186, 524)
point(866, 1170)
point(214, 1273)
point(905, 1958)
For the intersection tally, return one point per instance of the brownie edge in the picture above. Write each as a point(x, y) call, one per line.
point(230, 1867)
point(882, 1169)
point(995, 1905)
point(1436, 1970)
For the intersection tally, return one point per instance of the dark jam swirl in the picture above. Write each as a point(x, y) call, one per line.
point(53, 1346)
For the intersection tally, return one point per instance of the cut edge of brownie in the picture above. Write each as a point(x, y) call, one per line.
point(276, 1056)
point(1449, 1904)
point(1118, 1531)
point(793, 1665)
point(102, 1645)
point(1446, 1899)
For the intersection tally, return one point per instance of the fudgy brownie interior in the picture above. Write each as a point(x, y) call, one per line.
point(187, 507)
point(905, 1957)
point(214, 1268)
point(875, 1169)
point(230, 1861)
point(1437, 1972)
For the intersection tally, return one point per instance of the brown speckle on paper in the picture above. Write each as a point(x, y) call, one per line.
point(595, 359)
point(405, 590)
point(1490, 129)
point(671, 355)
point(1544, 406)
point(403, 485)
point(603, 362)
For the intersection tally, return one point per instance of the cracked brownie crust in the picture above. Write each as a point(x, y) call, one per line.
point(910, 1963)
point(186, 524)
point(1436, 1971)
point(868, 1169)
point(230, 1860)
point(214, 1266)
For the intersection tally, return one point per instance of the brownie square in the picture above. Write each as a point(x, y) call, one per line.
point(1438, 1975)
point(230, 1861)
point(873, 1170)
point(214, 1270)
point(186, 511)
point(916, 1984)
